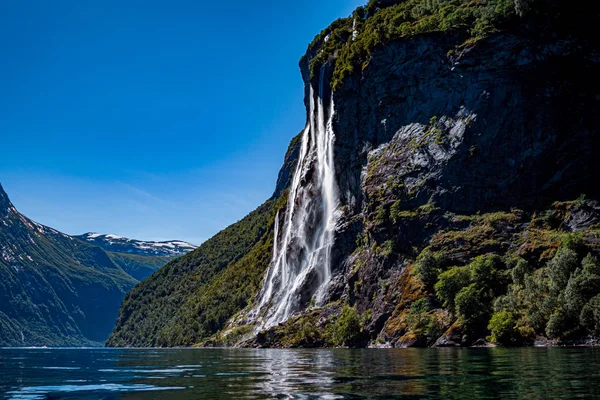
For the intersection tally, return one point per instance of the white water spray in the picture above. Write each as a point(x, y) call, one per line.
point(300, 270)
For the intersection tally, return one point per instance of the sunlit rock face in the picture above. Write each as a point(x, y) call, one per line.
point(534, 97)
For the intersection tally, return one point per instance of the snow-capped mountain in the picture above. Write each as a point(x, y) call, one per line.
point(119, 244)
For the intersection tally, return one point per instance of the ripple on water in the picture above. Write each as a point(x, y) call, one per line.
point(41, 392)
point(148, 371)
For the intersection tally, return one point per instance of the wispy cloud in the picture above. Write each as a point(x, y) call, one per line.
point(147, 195)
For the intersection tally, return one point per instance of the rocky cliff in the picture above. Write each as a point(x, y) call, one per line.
point(448, 150)
point(465, 137)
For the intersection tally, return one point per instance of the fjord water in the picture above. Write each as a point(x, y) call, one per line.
point(186, 374)
point(301, 266)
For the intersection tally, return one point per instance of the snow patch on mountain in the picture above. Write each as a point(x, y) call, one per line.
point(121, 244)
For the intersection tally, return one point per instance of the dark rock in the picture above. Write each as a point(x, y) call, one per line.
point(284, 179)
point(482, 343)
point(530, 133)
point(583, 216)
point(542, 341)
point(453, 337)
point(446, 341)
point(410, 341)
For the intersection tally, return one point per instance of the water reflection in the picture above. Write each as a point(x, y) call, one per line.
point(299, 374)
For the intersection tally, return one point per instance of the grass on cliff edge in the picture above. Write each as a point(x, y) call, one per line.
point(352, 40)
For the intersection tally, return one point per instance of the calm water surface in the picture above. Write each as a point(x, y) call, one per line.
point(528, 373)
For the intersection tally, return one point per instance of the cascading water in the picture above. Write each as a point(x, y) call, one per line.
point(300, 270)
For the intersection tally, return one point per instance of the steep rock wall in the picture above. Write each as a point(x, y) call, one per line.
point(432, 132)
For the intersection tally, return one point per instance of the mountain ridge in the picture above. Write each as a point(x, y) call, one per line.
point(58, 290)
point(119, 244)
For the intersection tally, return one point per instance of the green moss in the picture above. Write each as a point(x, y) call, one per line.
point(433, 129)
point(381, 215)
point(357, 285)
point(499, 219)
point(388, 248)
point(397, 213)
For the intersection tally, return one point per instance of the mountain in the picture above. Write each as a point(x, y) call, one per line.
point(60, 290)
point(139, 259)
point(55, 290)
point(442, 193)
point(118, 244)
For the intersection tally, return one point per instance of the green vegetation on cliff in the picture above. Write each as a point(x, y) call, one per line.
point(352, 40)
point(505, 277)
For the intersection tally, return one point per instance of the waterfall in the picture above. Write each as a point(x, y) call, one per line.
point(300, 269)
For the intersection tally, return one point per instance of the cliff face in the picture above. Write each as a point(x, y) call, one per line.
point(447, 152)
point(460, 156)
point(529, 107)
point(508, 123)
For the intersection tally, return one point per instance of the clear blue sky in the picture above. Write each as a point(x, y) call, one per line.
point(150, 119)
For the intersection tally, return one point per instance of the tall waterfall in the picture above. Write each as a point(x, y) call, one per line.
point(300, 270)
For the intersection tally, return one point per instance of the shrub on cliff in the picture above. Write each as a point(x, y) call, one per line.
point(556, 300)
point(471, 304)
point(503, 328)
point(421, 320)
point(560, 268)
point(347, 329)
point(449, 284)
point(480, 281)
point(590, 316)
point(428, 267)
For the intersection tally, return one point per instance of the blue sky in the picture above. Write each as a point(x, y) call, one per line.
point(150, 119)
